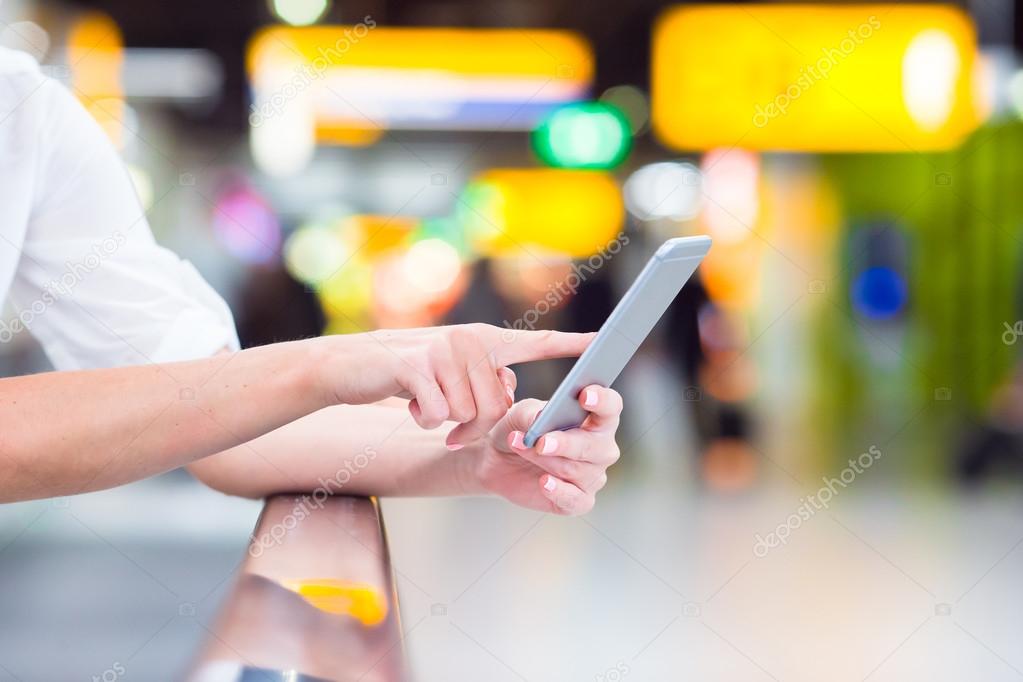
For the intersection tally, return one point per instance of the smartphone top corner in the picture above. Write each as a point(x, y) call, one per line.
point(684, 247)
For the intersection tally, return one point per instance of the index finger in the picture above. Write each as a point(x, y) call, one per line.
point(526, 345)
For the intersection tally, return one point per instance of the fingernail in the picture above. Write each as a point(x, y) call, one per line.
point(455, 446)
point(511, 394)
point(550, 484)
point(550, 444)
point(590, 398)
point(515, 440)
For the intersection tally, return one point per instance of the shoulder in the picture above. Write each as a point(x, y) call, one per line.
point(46, 136)
point(37, 113)
point(19, 73)
point(28, 93)
point(25, 103)
point(27, 96)
point(15, 61)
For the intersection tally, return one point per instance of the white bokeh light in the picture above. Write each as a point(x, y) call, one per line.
point(284, 142)
point(432, 265)
point(664, 190)
point(299, 12)
point(930, 70)
point(731, 193)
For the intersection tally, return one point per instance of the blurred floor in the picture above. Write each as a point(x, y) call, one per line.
point(118, 584)
point(659, 582)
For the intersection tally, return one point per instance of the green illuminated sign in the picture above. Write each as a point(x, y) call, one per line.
point(584, 135)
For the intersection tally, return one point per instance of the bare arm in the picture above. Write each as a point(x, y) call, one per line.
point(351, 449)
point(378, 450)
point(69, 432)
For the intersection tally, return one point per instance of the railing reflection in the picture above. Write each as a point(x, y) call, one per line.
point(314, 599)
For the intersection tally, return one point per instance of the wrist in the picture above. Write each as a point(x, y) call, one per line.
point(470, 468)
point(318, 358)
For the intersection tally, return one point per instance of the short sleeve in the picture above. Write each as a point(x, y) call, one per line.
point(92, 285)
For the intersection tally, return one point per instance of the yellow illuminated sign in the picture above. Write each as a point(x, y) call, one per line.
point(357, 81)
point(512, 52)
point(880, 77)
point(574, 213)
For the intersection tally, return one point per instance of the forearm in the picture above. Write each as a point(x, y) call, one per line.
point(350, 449)
point(70, 432)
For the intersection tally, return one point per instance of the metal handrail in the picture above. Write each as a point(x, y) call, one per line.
point(314, 599)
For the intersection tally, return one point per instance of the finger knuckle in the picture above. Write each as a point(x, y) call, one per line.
point(585, 451)
point(532, 404)
point(439, 353)
point(436, 410)
point(492, 410)
point(565, 503)
point(428, 421)
point(593, 479)
point(464, 334)
point(463, 413)
point(615, 399)
point(458, 417)
point(572, 470)
point(586, 505)
point(578, 505)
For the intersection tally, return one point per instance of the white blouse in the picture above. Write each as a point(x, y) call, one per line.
point(77, 258)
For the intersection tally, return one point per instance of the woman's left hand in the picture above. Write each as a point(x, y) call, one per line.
point(564, 471)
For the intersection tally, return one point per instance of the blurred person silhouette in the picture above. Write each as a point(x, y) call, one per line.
point(723, 423)
point(994, 446)
point(276, 307)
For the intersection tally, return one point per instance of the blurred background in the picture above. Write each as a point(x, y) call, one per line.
point(334, 166)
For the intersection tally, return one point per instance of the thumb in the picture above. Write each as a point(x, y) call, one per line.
point(523, 414)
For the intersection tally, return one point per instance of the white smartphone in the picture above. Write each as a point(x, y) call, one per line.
point(619, 338)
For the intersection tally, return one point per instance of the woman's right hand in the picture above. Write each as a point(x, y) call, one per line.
point(455, 373)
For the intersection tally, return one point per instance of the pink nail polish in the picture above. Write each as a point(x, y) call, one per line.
point(550, 444)
point(516, 440)
point(590, 398)
point(550, 484)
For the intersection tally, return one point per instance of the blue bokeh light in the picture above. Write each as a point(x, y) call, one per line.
point(879, 293)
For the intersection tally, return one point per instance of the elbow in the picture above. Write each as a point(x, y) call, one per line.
point(219, 473)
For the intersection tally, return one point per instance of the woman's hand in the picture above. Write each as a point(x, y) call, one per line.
point(564, 471)
point(454, 373)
